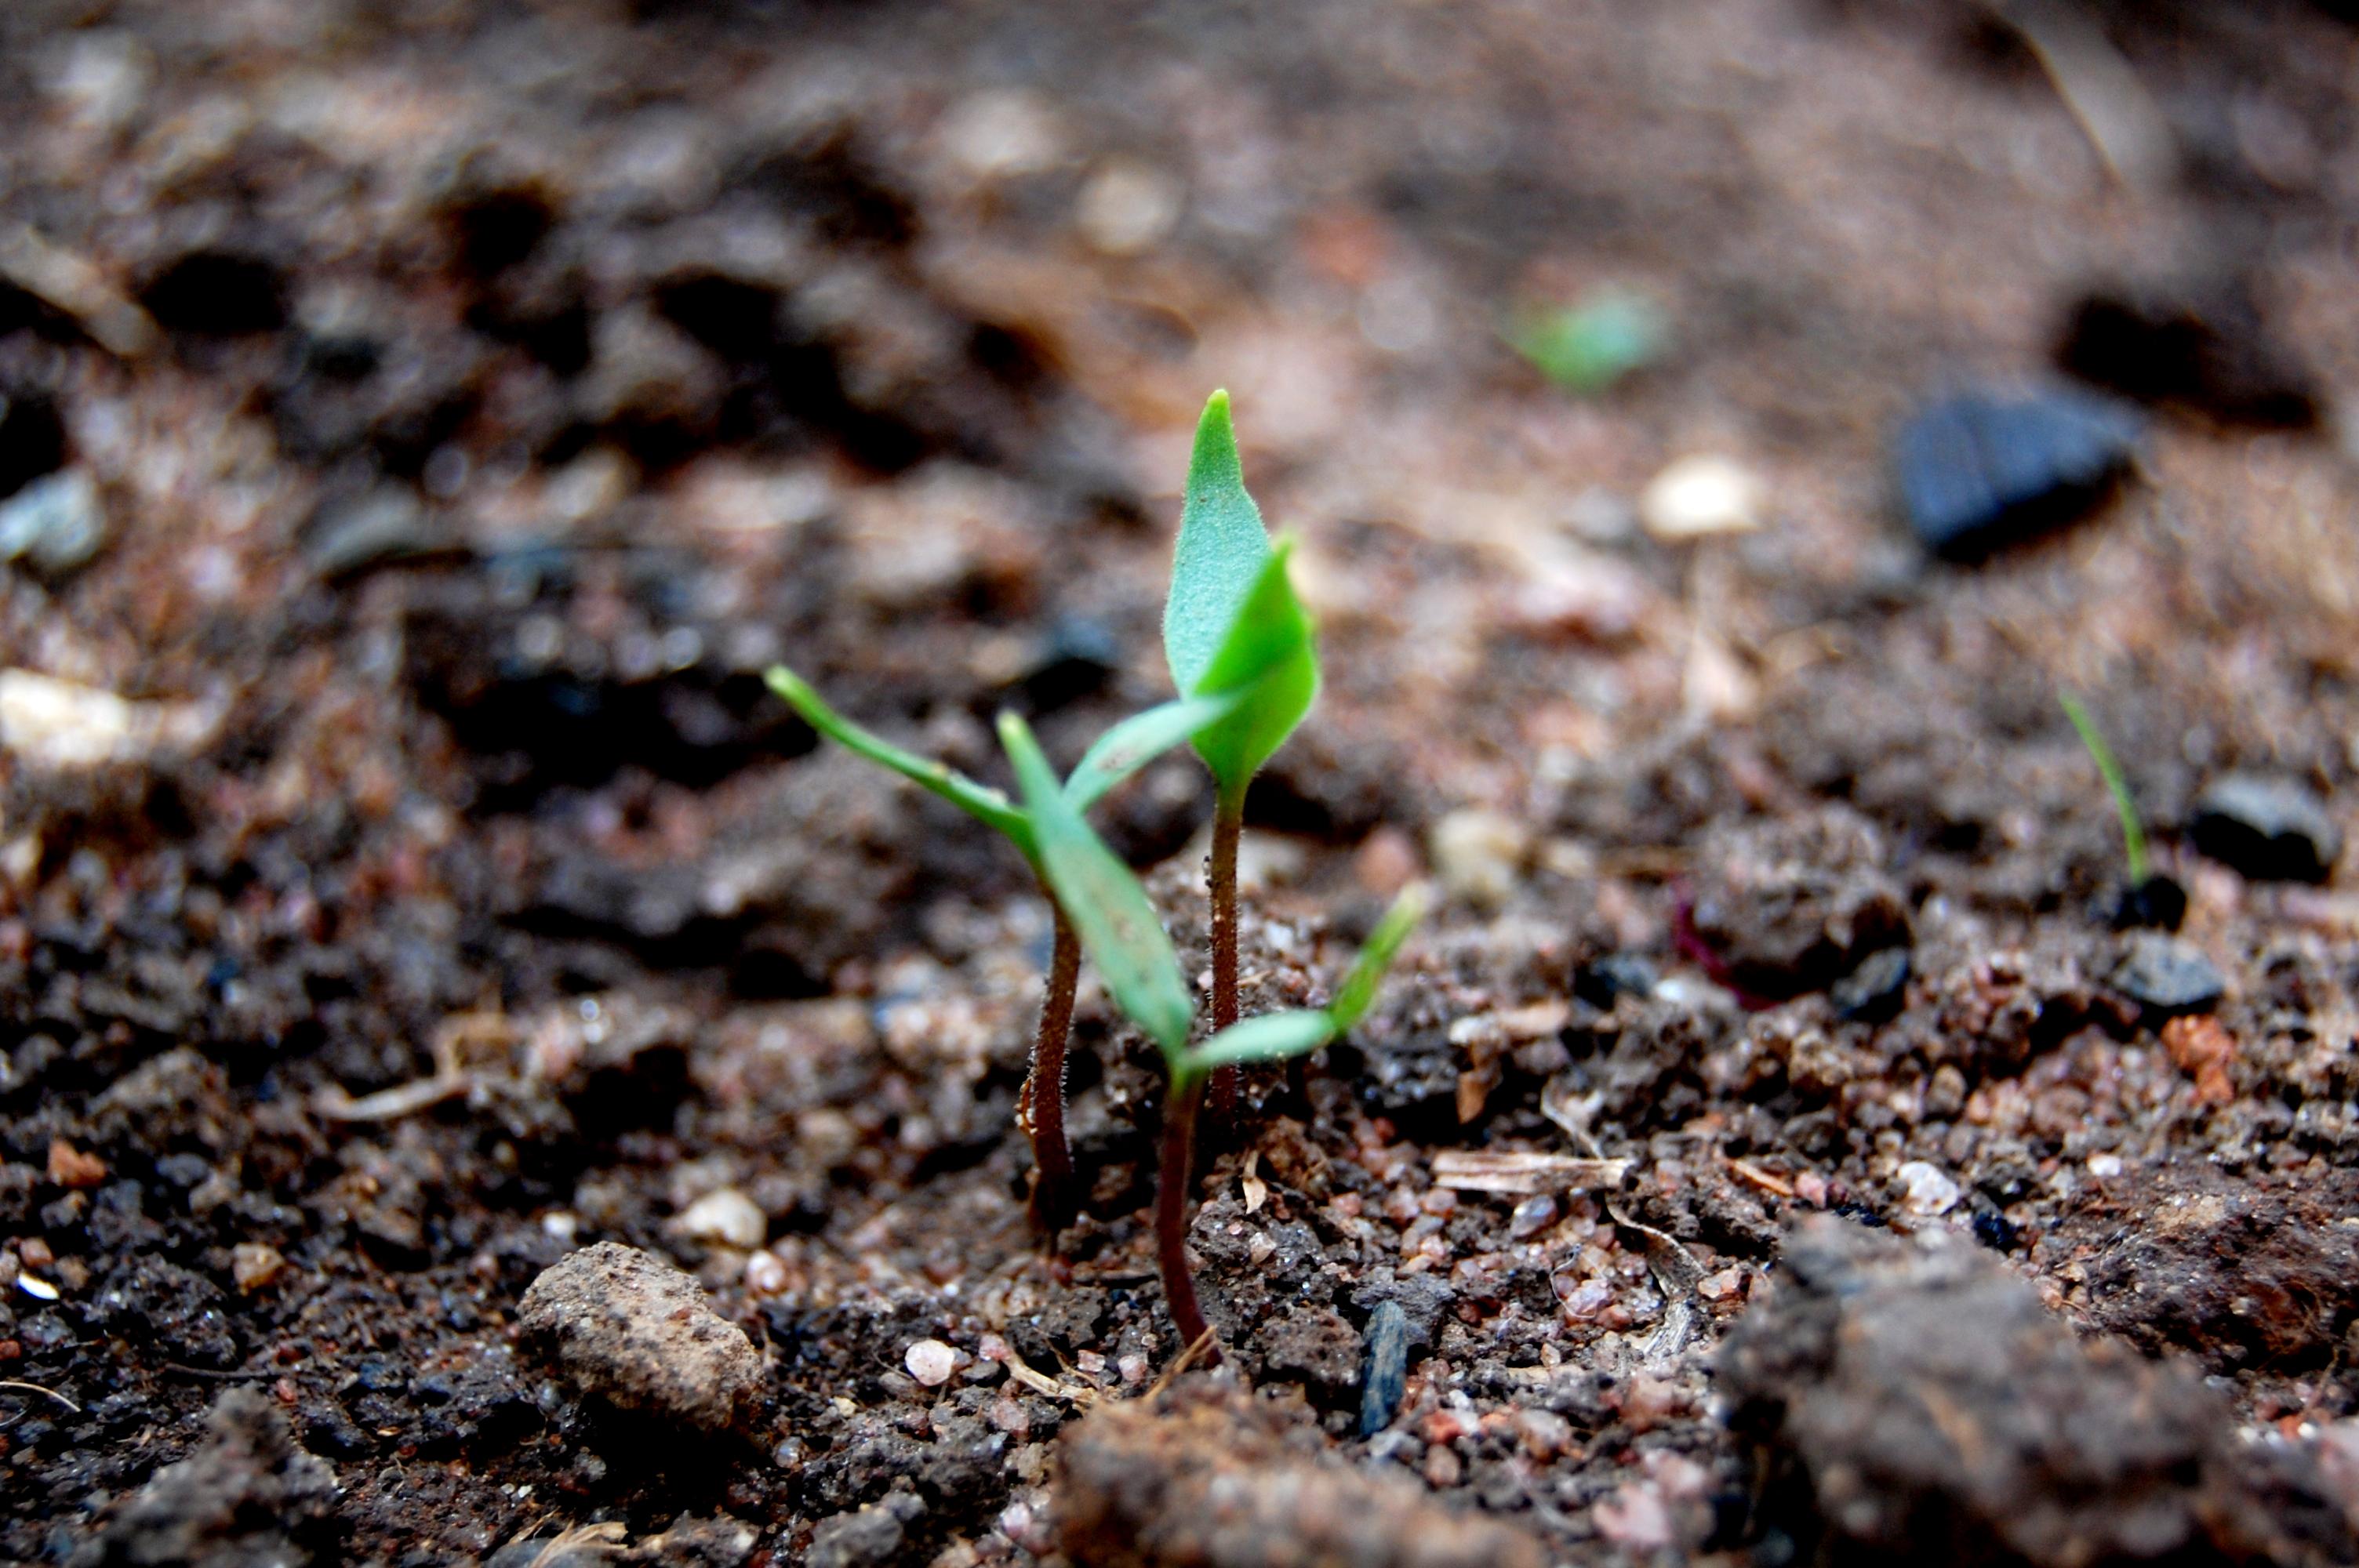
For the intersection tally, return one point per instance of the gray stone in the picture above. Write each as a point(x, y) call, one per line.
point(55, 525)
point(2167, 976)
point(2268, 828)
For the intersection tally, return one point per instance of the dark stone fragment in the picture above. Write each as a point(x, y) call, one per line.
point(1385, 1377)
point(32, 441)
point(223, 293)
point(2167, 977)
point(1995, 1231)
point(2158, 904)
point(1989, 467)
point(2202, 347)
point(1421, 1298)
point(871, 1538)
point(1602, 982)
point(2270, 828)
point(1873, 992)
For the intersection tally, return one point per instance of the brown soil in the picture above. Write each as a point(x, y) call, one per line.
point(478, 398)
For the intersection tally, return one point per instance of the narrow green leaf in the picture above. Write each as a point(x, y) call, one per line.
point(1272, 1037)
point(1140, 740)
point(978, 800)
point(1268, 652)
point(1107, 907)
point(1359, 988)
point(2125, 804)
point(1222, 546)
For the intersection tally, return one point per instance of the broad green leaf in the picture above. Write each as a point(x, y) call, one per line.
point(1271, 1037)
point(1222, 546)
point(1586, 347)
point(1107, 907)
point(1268, 653)
point(979, 800)
point(1140, 740)
point(1351, 997)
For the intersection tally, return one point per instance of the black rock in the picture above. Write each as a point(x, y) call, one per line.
point(2158, 902)
point(1605, 981)
point(2202, 346)
point(2269, 829)
point(1873, 992)
point(2166, 976)
point(1989, 467)
point(32, 440)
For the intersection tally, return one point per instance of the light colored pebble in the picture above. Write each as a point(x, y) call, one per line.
point(931, 1362)
point(254, 1264)
point(765, 1274)
point(1924, 1191)
point(1127, 207)
point(726, 1216)
point(64, 727)
point(1700, 496)
point(1478, 854)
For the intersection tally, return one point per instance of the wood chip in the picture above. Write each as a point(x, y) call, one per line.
point(1503, 1170)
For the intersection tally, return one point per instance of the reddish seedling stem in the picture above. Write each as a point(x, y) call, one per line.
point(1171, 1216)
point(1228, 827)
point(1054, 1199)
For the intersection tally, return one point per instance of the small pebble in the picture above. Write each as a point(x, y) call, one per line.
point(765, 1274)
point(70, 1167)
point(1385, 1375)
point(726, 1216)
point(1126, 208)
point(1531, 1216)
point(1699, 496)
point(1478, 856)
point(54, 525)
point(1603, 981)
point(2166, 976)
point(1924, 1191)
point(931, 1362)
point(1873, 992)
point(254, 1264)
point(2268, 828)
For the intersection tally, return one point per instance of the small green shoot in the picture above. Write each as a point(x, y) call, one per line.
point(2133, 849)
point(1232, 623)
point(1121, 752)
point(1586, 347)
point(1106, 905)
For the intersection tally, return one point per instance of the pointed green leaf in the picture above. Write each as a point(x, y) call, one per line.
point(978, 800)
point(2125, 803)
point(1272, 1037)
point(1268, 653)
point(1222, 546)
point(1140, 740)
point(1107, 907)
point(1359, 988)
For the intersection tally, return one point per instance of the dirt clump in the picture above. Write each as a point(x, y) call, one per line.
point(634, 1331)
point(248, 1497)
point(1917, 1401)
point(2246, 1273)
point(1210, 1482)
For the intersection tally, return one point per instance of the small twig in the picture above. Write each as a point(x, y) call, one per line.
point(333, 1104)
point(1200, 1345)
point(1766, 1181)
point(37, 1389)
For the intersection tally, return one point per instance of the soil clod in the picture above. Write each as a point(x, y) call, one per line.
point(631, 1329)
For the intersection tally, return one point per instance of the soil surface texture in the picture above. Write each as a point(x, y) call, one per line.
point(481, 1082)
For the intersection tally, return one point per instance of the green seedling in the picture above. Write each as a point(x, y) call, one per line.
point(1106, 905)
point(2133, 849)
point(1232, 624)
point(1119, 753)
point(1587, 347)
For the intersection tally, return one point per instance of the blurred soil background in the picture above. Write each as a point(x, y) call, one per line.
point(422, 422)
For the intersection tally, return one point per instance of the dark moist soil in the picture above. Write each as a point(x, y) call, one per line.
point(406, 880)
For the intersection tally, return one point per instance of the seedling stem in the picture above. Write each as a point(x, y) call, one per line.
point(1228, 827)
point(2125, 806)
